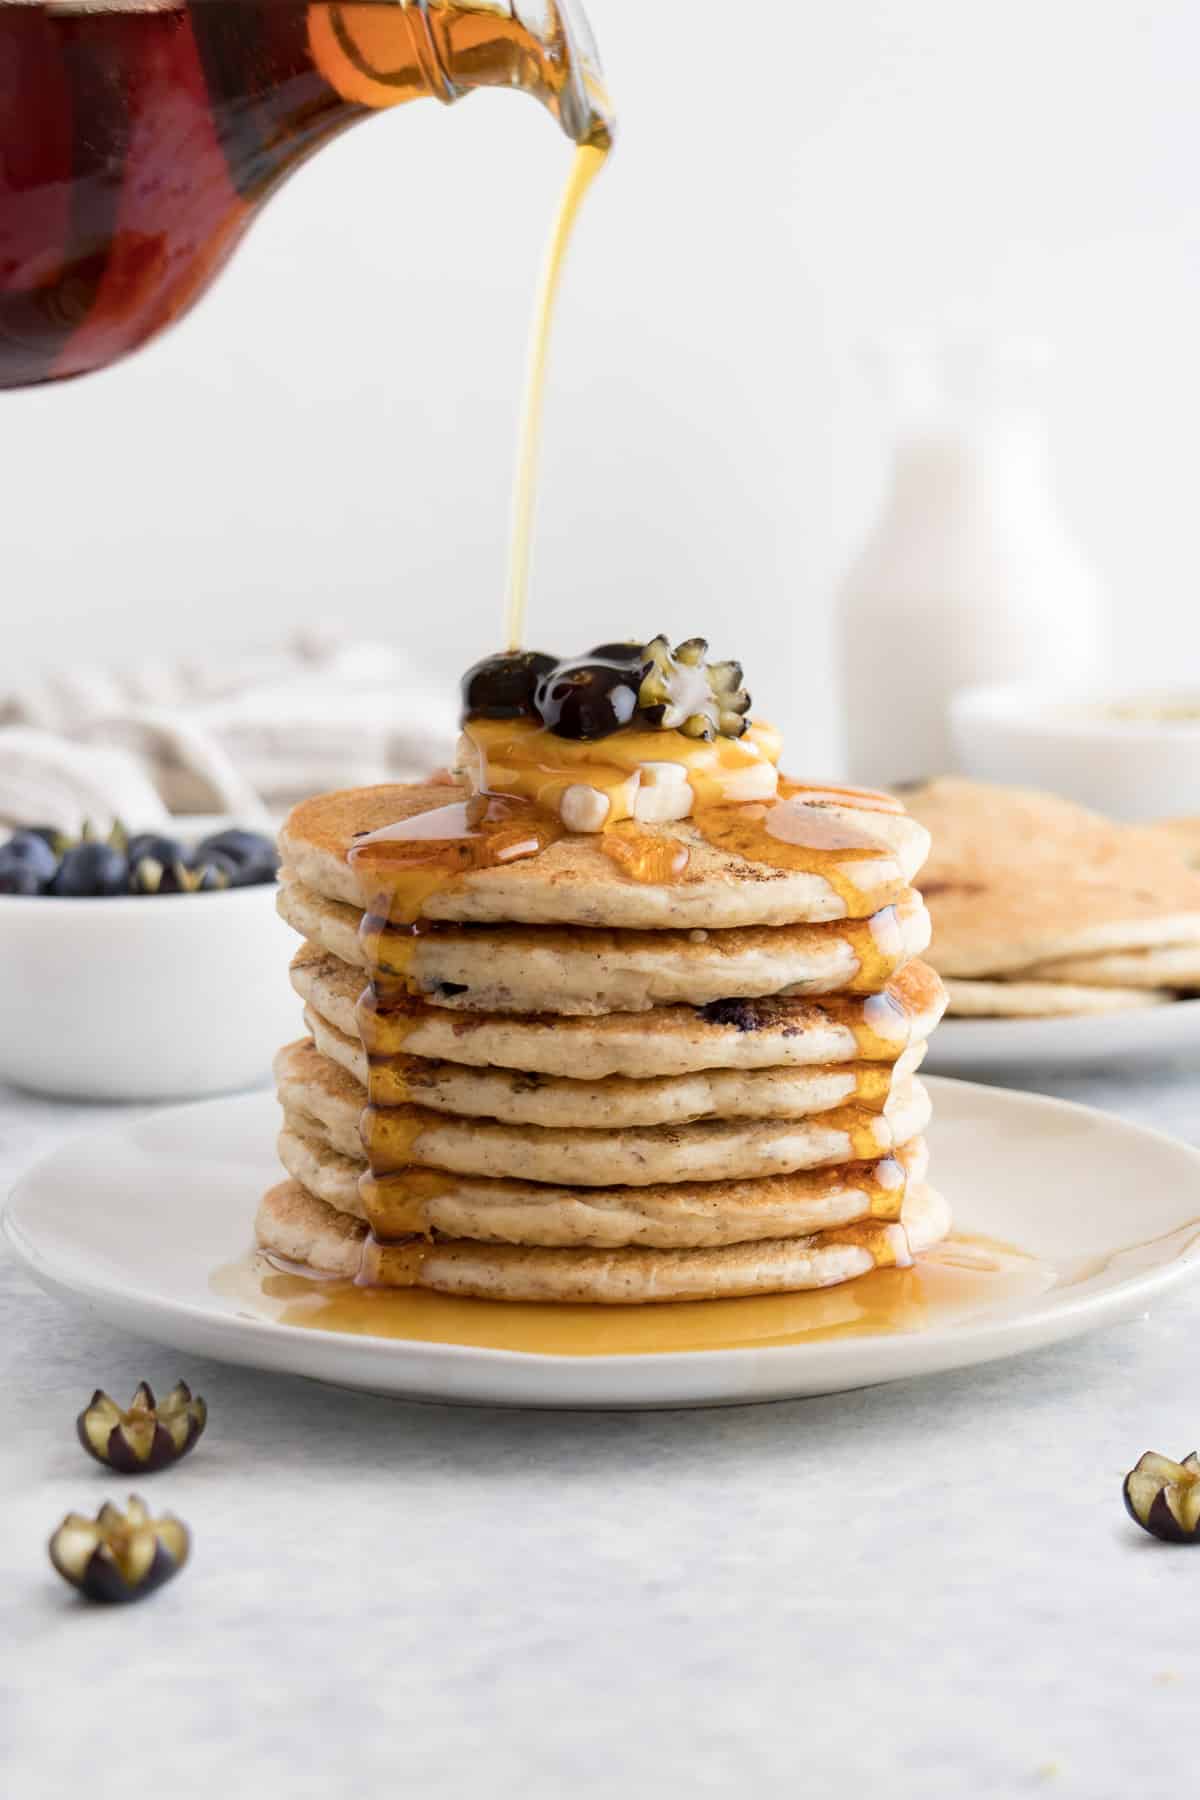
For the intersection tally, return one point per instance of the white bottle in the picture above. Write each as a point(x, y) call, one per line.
point(969, 575)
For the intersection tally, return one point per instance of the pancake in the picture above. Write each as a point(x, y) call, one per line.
point(1044, 999)
point(311, 1086)
point(530, 968)
point(291, 1223)
point(574, 882)
point(670, 1040)
point(1183, 835)
point(1171, 966)
point(523, 1099)
point(1018, 878)
point(328, 1174)
point(681, 1215)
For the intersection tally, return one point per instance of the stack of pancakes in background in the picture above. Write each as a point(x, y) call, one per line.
point(1042, 908)
point(587, 1084)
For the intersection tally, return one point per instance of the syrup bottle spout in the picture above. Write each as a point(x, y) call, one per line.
point(541, 47)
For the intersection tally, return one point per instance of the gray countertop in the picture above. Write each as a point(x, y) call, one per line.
point(929, 1587)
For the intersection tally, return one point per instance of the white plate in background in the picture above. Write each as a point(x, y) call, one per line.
point(134, 1222)
point(973, 1046)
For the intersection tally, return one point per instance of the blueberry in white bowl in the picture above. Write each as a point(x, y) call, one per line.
point(38, 860)
point(90, 871)
point(147, 966)
point(27, 863)
point(251, 856)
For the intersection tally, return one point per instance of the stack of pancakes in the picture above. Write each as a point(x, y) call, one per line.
point(593, 1087)
point(1042, 908)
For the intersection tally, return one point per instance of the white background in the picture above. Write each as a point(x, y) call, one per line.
point(330, 436)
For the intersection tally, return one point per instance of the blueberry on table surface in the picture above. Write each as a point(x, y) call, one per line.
point(147, 1434)
point(89, 871)
point(119, 1556)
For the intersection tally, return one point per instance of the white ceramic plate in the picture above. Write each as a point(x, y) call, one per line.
point(133, 1224)
point(973, 1046)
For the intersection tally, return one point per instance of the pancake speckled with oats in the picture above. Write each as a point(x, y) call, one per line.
point(296, 1226)
point(1162, 966)
point(686, 1214)
point(1013, 998)
point(622, 1016)
point(1017, 878)
point(771, 1031)
point(520, 1098)
point(573, 881)
point(312, 1087)
point(673, 1215)
point(555, 968)
point(1042, 909)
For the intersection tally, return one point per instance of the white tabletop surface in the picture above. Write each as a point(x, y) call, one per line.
point(930, 1587)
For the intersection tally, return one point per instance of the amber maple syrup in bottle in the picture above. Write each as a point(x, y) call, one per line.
point(138, 138)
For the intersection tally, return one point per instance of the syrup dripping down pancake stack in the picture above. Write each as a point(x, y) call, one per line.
point(621, 1015)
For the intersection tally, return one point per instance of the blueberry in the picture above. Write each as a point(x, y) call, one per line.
point(226, 864)
point(90, 870)
point(193, 873)
point(588, 699)
point(502, 687)
point(49, 834)
point(164, 850)
point(210, 870)
point(626, 651)
point(30, 849)
point(251, 857)
point(18, 876)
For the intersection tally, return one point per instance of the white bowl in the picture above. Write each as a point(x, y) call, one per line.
point(1126, 750)
point(158, 997)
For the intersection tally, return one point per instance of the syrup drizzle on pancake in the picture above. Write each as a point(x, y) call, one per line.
point(397, 869)
point(810, 840)
point(644, 855)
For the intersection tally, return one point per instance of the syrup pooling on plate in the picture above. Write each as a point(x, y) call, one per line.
point(964, 1278)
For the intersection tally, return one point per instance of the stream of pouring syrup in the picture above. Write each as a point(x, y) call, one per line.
point(586, 165)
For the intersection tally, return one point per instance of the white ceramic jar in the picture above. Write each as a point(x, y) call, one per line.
point(969, 575)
